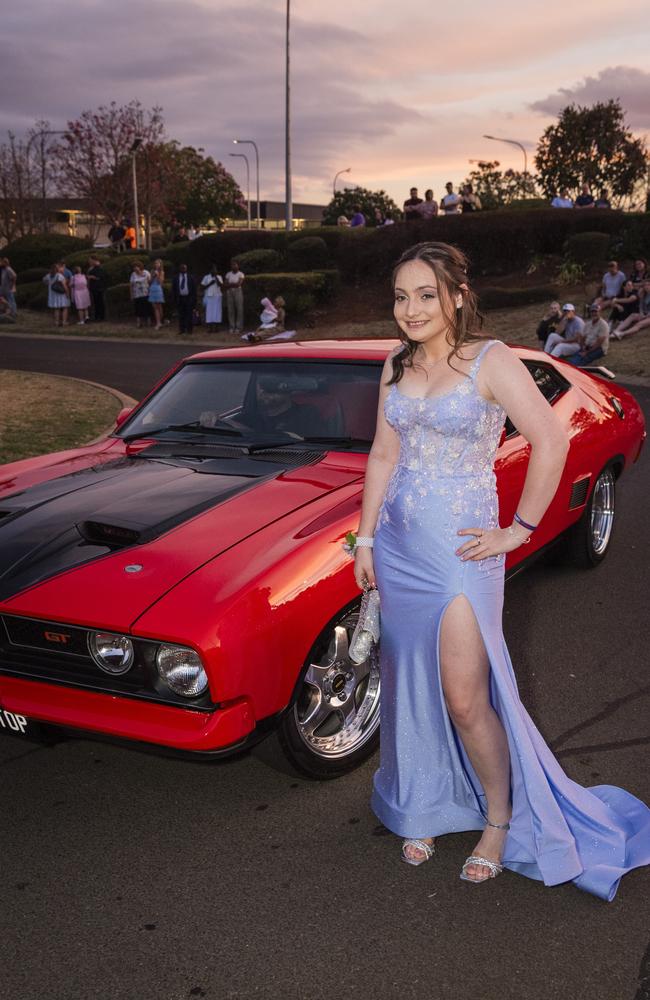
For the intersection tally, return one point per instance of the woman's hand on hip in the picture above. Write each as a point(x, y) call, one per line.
point(482, 543)
point(364, 569)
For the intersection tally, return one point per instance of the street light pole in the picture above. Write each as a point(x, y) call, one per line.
point(336, 177)
point(287, 125)
point(250, 142)
point(137, 142)
point(513, 142)
point(248, 185)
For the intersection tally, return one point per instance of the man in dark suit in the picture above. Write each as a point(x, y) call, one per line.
point(184, 298)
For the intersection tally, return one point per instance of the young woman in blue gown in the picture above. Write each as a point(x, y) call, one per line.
point(458, 749)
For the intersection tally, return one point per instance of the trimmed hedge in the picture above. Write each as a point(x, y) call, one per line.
point(311, 253)
point(32, 274)
point(42, 249)
point(301, 292)
point(590, 249)
point(501, 298)
point(32, 294)
point(119, 305)
point(259, 261)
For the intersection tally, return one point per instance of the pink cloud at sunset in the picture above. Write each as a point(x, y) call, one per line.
point(403, 95)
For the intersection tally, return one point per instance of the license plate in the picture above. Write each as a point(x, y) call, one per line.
point(17, 725)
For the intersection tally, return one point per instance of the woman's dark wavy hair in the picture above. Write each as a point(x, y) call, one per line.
point(449, 264)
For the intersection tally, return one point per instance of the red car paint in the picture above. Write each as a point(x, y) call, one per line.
point(250, 583)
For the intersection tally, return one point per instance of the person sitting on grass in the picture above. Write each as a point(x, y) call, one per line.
point(611, 284)
point(594, 340)
point(639, 272)
point(549, 323)
point(272, 319)
point(566, 339)
point(638, 321)
point(624, 305)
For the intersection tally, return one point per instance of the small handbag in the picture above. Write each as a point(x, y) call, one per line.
point(366, 633)
point(58, 287)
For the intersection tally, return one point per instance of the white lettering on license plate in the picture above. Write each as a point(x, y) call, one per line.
point(18, 723)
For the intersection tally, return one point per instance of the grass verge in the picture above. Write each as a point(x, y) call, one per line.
point(44, 413)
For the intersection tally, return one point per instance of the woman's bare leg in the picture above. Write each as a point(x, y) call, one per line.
point(465, 672)
point(643, 324)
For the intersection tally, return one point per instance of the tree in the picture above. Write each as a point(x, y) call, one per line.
point(182, 187)
point(93, 160)
point(497, 188)
point(16, 181)
point(592, 145)
point(344, 201)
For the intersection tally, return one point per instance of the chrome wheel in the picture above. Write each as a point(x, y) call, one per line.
point(337, 710)
point(601, 518)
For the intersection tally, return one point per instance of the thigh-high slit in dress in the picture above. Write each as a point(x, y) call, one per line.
point(425, 784)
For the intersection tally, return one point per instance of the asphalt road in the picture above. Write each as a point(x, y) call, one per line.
point(126, 875)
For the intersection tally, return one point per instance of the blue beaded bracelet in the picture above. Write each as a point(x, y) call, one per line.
point(524, 524)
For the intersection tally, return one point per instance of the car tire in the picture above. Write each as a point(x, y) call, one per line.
point(589, 540)
point(332, 724)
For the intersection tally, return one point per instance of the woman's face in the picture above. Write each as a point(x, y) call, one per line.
point(417, 307)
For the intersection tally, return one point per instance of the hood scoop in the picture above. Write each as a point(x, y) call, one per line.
point(116, 536)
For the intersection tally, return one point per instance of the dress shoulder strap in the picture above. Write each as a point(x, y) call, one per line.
point(476, 363)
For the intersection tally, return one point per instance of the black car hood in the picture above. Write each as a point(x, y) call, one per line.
point(79, 517)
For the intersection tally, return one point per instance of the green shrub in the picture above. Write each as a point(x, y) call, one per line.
point(80, 258)
point(221, 248)
point(501, 298)
point(32, 294)
point(119, 305)
point(590, 249)
point(259, 261)
point(176, 253)
point(42, 249)
point(307, 254)
point(32, 274)
point(301, 292)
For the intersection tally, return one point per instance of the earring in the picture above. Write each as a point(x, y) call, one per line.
point(459, 302)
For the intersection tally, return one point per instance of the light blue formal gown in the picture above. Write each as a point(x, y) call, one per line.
point(426, 785)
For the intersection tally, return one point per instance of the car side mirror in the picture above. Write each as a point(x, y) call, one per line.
point(123, 415)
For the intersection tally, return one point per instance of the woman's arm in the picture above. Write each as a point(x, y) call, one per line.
point(381, 462)
point(504, 379)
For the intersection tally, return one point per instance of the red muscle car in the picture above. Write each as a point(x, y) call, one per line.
point(183, 582)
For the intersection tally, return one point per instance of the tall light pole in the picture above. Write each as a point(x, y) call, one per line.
point(336, 177)
point(513, 142)
point(250, 142)
point(287, 127)
point(248, 185)
point(137, 142)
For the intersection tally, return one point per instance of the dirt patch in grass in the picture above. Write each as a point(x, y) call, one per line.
point(44, 413)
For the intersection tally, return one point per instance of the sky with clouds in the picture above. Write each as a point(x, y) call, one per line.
point(401, 93)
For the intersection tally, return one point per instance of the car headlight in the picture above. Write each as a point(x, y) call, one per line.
point(182, 670)
point(113, 653)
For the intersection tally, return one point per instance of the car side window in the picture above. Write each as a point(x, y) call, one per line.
point(549, 382)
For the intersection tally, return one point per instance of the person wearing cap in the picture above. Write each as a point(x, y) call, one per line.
point(277, 409)
point(594, 341)
point(566, 339)
point(611, 285)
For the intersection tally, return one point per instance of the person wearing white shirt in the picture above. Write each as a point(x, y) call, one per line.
point(235, 298)
point(212, 297)
point(562, 200)
point(450, 204)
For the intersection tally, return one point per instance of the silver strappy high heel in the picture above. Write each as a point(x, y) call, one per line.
point(420, 845)
point(475, 859)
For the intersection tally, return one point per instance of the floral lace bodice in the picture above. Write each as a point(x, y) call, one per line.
point(448, 445)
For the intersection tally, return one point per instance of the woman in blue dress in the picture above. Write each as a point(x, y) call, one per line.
point(458, 749)
point(157, 292)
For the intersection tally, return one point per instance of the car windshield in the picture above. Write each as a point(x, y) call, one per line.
point(254, 401)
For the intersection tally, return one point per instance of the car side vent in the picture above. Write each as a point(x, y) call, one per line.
point(579, 492)
point(114, 535)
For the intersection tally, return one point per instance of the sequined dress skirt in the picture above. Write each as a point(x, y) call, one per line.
point(425, 784)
